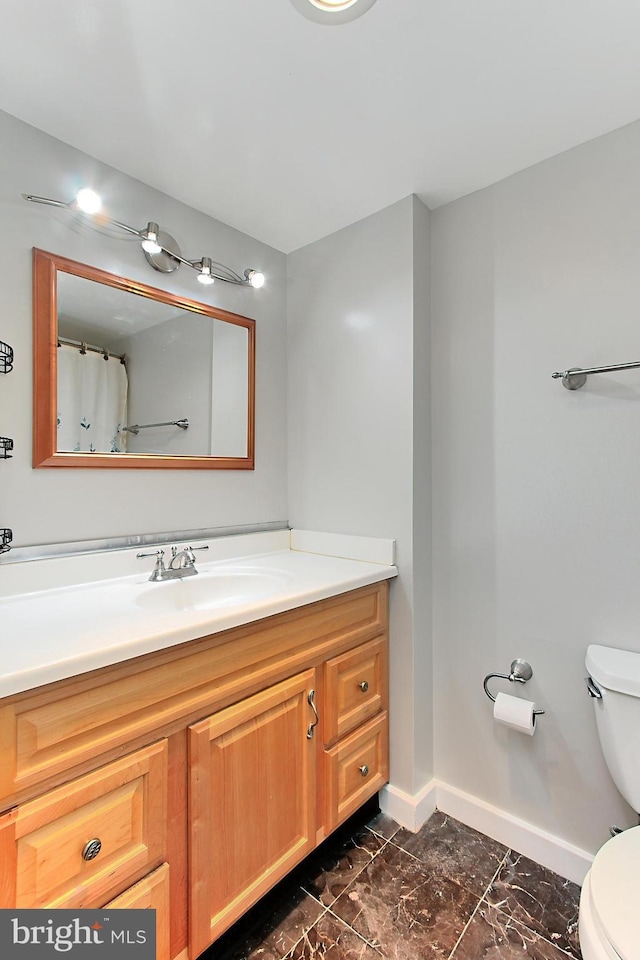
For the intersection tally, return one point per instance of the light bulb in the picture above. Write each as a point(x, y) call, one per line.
point(332, 11)
point(88, 200)
point(150, 239)
point(255, 278)
point(204, 276)
point(333, 4)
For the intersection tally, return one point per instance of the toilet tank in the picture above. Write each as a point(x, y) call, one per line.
point(617, 675)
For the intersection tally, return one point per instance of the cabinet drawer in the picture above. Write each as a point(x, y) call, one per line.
point(355, 769)
point(355, 688)
point(150, 893)
point(43, 843)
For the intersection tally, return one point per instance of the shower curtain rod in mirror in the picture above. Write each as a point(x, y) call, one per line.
point(90, 348)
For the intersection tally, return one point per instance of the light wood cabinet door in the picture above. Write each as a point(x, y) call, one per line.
point(252, 802)
point(150, 893)
point(84, 842)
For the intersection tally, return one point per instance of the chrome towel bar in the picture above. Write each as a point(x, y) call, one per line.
point(576, 377)
point(137, 427)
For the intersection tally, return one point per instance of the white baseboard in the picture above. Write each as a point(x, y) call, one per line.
point(409, 811)
point(552, 852)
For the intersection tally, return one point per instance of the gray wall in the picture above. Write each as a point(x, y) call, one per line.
point(359, 430)
point(536, 516)
point(51, 505)
point(169, 370)
point(230, 409)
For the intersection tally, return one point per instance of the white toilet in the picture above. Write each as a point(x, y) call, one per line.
point(609, 919)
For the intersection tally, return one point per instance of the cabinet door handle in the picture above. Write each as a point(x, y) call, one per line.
point(311, 700)
point(364, 686)
point(91, 849)
point(364, 770)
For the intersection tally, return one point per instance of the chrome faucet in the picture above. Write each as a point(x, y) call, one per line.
point(182, 563)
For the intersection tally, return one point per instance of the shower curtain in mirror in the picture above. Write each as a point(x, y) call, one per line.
point(92, 402)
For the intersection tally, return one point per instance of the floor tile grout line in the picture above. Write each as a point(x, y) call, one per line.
point(459, 883)
point(306, 930)
point(509, 915)
point(479, 903)
point(540, 936)
point(317, 899)
point(327, 909)
point(421, 862)
point(408, 852)
point(353, 929)
point(381, 835)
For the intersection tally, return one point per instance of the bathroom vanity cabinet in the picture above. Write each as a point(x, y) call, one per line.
point(192, 779)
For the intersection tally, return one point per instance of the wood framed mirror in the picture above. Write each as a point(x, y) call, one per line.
point(129, 376)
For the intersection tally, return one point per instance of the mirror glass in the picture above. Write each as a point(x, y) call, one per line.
point(128, 375)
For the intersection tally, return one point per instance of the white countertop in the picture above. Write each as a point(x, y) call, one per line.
point(70, 628)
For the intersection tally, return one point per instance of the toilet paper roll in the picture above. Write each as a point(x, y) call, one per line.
point(515, 713)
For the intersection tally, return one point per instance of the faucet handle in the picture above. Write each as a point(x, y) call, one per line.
point(190, 552)
point(158, 572)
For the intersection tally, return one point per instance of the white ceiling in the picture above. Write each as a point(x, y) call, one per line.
point(100, 314)
point(289, 130)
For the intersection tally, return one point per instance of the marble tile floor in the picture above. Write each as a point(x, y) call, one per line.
point(375, 891)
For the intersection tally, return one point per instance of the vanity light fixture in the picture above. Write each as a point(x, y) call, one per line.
point(160, 249)
point(150, 242)
point(88, 201)
point(204, 275)
point(332, 12)
point(255, 278)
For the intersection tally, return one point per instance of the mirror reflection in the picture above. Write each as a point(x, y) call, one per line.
point(138, 376)
point(139, 373)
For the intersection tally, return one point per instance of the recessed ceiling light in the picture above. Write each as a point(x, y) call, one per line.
point(333, 4)
point(332, 11)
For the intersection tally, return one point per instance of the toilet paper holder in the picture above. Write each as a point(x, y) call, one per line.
point(520, 672)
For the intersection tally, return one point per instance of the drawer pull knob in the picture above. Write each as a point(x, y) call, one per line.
point(92, 849)
point(364, 686)
point(364, 770)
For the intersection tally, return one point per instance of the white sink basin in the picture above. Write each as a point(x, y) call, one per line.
point(215, 588)
point(106, 619)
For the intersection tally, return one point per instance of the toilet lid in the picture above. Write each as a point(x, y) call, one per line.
point(615, 891)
